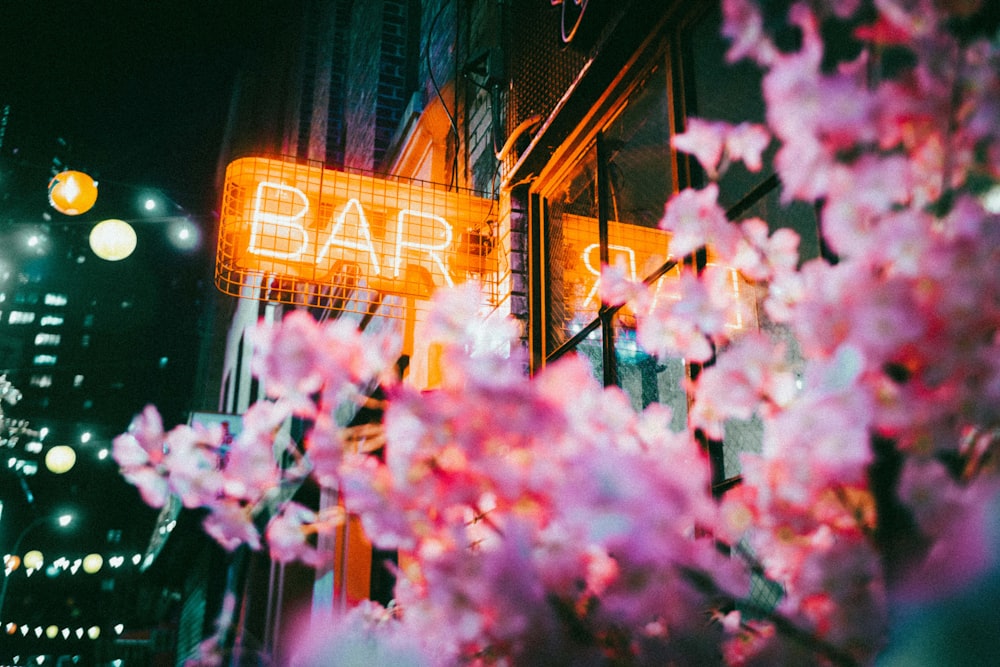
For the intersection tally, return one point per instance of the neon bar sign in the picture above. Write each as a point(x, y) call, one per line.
point(307, 223)
point(640, 250)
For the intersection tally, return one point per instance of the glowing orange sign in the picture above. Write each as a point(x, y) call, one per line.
point(641, 250)
point(321, 226)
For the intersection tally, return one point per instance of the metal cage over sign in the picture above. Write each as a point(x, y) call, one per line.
point(306, 235)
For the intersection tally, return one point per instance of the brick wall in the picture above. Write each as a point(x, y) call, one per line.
point(379, 78)
point(392, 92)
point(361, 86)
point(482, 93)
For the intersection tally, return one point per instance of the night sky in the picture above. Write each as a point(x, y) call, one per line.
point(132, 91)
point(135, 93)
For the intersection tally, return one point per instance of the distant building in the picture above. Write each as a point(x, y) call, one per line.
point(88, 343)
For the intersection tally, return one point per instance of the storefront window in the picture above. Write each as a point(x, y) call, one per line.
point(605, 208)
point(604, 205)
point(623, 181)
point(730, 92)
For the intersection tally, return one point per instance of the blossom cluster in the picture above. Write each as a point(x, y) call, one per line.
point(868, 442)
point(545, 521)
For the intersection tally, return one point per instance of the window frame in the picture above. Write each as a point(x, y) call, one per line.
point(669, 47)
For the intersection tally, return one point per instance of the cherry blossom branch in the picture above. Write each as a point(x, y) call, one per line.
point(896, 534)
point(705, 584)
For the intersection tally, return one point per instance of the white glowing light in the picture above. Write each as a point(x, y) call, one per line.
point(60, 459)
point(184, 234)
point(113, 240)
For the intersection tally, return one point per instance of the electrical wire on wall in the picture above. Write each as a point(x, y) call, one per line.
point(437, 90)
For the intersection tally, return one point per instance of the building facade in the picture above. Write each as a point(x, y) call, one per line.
point(552, 121)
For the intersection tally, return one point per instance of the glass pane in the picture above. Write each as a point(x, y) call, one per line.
point(731, 92)
point(573, 259)
point(639, 156)
point(573, 256)
point(640, 183)
point(727, 92)
point(639, 176)
point(647, 379)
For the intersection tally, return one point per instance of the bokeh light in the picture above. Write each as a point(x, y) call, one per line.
point(92, 563)
point(33, 560)
point(113, 240)
point(60, 459)
point(72, 192)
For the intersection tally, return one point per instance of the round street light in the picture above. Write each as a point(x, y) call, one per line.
point(60, 459)
point(36, 561)
point(113, 240)
point(33, 560)
point(92, 563)
point(72, 192)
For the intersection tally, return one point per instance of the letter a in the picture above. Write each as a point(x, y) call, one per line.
point(430, 248)
point(364, 235)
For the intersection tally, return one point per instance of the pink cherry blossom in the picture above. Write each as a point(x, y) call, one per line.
point(695, 219)
point(746, 142)
point(250, 468)
point(761, 257)
point(717, 144)
point(857, 196)
point(547, 520)
point(916, 18)
point(704, 140)
point(152, 485)
point(366, 634)
point(231, 523)
point(140, 454)
point(194, 464)
point(617, 288)
point(289, 355)
point(683, 327)
point(143, 443)
point(288, 534)
point(460, 316)
point(804, 166)
point(751, 374)
point(744, 26)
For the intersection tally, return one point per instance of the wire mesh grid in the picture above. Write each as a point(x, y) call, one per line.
point(294, 232)
point(638, 252)
point(765, 594)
